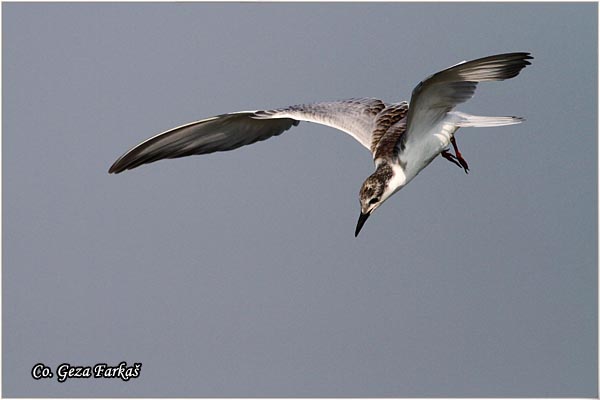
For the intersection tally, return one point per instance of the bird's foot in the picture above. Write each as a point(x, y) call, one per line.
point(450, 157)
point(459, 157)
point(463, 162)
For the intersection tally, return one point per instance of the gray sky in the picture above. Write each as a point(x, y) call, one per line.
point(238, 274)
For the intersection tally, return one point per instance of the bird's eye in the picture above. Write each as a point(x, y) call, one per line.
point(374, 200)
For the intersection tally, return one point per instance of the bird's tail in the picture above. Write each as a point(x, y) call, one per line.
point(471, 121)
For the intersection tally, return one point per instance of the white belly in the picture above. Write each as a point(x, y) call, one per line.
point(419, 153)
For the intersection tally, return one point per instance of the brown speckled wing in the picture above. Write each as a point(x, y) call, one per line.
point(389, 145)
point(384, 139)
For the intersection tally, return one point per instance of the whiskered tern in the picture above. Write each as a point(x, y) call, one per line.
point(403, 139)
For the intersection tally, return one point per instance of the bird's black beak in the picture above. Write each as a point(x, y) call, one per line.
point(361, 221)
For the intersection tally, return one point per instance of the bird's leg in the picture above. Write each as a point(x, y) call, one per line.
point(459, 157)
point(450, 157)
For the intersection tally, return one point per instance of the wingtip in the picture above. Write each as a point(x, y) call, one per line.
point(527, 56)
point(116, 168)
point(497, 67)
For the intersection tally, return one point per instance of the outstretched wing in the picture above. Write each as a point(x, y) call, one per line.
point(434, 97)
point(230, 131)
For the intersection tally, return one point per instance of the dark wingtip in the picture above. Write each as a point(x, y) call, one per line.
point(115, 168)
point(127, 161)
point(526, 56)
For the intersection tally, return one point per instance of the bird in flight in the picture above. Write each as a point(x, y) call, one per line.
point(403, 137)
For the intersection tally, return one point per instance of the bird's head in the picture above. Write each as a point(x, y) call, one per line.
point(375, 190)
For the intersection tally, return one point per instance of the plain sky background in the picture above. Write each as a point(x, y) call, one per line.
point(238, 274)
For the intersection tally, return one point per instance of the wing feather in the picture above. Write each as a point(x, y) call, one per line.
point(356, 116)
point(435, 96)
point(220, 133)
point(230, 131)
point(387, 118)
